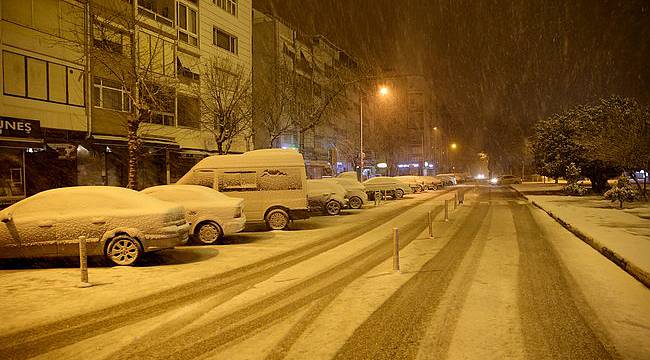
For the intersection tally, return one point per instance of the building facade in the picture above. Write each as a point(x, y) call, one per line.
point(304, 96)
point(65, 103)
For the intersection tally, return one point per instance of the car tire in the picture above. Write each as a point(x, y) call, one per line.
point(355, 202)
point(123, 250)
point(418, 188)
point(398, 194)
point(277, 219)
point(333, 207)
point(208, 233)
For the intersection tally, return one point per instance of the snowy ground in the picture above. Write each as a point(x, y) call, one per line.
point(625, 232)
point(43, 291)
point(482, 304)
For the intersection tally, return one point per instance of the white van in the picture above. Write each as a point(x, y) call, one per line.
point(272, 183)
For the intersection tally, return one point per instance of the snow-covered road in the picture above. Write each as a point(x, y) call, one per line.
point(500, 280)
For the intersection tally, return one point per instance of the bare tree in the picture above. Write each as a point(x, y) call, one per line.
point(141, 63)
point(226, 100)
point(272, 101)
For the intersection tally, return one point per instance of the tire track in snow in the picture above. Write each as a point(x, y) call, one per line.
point(393, 331)
point(271, 310)
point(552, 324)
point(35, 341)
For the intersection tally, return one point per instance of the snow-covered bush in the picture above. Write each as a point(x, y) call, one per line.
point(572, 176)
point(621, 192)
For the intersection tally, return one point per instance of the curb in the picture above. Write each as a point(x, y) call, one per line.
point(636, 272)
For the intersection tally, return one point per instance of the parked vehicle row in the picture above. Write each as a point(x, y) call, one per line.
point(216, 198)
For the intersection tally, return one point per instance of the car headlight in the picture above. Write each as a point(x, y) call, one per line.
point(494, 180)
point(238, 212)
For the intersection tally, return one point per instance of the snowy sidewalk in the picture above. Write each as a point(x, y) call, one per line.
point(623, 236)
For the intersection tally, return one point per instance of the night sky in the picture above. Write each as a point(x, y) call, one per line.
point(496, 66)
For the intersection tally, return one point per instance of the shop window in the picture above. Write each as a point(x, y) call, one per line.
point(12, 183)
point(13, 74)
point(57, 81)
point(36, 79)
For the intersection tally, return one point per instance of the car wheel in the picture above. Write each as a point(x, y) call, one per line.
point(398, 194)
point(277, 219)
point(355, 202)
point(333, 207)
point(123, 250)
point(208, 233)
point(418, 189)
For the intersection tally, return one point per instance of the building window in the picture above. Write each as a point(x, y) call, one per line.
point(38, 79)
point(189, 111)
point(156, 53)
point(110, 95)
point(224, 40)
point(230, 6)
point(187, 25)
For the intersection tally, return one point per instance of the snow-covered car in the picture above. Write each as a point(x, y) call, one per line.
point(210, 214)
point(271, 182)
point(431, 182)
point(447, 179)
point(387, 185)
point(355, 192)
point(118, 223)
point(415, 182)
point(505, 180)
point(348, 175)
point(325, 196)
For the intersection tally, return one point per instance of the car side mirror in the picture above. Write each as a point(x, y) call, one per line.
point(6, 218)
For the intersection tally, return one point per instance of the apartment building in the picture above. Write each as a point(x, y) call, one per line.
point(312, 69)
point(64, 102)
point(404, 121)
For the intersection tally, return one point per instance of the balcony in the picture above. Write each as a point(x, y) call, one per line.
point(161, 11)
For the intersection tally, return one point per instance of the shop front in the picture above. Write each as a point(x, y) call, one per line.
point(18, 138)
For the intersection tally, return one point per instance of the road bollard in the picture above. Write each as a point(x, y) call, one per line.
point(455, 199)
point(395, 249)
point(83, 263)
point(430, 225)
point(461, 198)
point(446, 210)
point(376, 196)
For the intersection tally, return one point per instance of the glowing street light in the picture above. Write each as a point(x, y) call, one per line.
point(383, 91)
point(454, 146)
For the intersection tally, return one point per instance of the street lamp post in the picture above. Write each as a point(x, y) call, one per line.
point(383, 91)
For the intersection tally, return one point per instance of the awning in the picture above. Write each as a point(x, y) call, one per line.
point(111, 140)
point(21, 143)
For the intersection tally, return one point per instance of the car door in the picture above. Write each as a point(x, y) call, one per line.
point(33, 227)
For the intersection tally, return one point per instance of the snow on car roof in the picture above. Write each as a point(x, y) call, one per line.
point(255, 158)
point(90, 196)
point(187, 193)
point(320, 185)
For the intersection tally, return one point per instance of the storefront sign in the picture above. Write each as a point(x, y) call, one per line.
point(20, 128)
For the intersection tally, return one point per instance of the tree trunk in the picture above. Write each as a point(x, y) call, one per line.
point(620, 206)
point(219, 147)
point(133, 153)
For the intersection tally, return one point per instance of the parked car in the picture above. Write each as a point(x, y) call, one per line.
point(417, 185)
point(388, 185)
point(431, 182)
point(447, 179)
point(348, 175)
point(210, 214)
point(118, 223)
point(325, 196)
point(505, 180)
point(272, 183)
point(355, 192)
